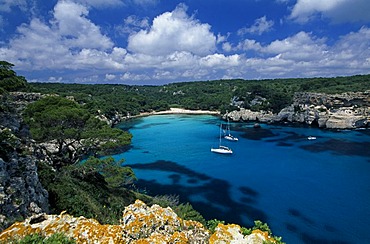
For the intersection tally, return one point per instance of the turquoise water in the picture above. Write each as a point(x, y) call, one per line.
point(307, 191)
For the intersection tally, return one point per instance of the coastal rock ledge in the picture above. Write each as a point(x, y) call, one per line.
point(139, 224)
point(333, 111)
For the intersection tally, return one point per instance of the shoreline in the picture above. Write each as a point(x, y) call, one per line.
point(176, 111)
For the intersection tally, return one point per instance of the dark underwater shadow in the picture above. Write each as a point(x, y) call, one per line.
point(297, 214)
point(168, 166)
point(217, 202)
point(290, 137)
point(256, 134)
point(284, 144)
point(309, 238)
point(341, 147)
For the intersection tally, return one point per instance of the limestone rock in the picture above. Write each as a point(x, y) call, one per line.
point(231, 233)
point(346, 118)
point(335, 111)
point(21, 193)
point(248, 115)
point(340, 111)
point(81, 229)
point(161, 224)
point(139, 224)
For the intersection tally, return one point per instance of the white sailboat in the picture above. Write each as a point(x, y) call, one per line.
point(221, 149)
point(228, 136)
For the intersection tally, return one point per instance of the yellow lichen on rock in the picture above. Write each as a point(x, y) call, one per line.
point(156, 224)
point(259, 234)
point(140, 224)
point(226, 234)
point(231, 234)
point(80, 229)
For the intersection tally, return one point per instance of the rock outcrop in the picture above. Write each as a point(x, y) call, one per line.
point(340, 111)
point(21, 193)
point(139, 224)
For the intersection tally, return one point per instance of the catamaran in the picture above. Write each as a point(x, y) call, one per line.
point(228, 136)
point(221, 149)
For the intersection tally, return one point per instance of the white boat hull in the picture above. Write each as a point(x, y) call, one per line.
point(222, 150)
point(231, 138)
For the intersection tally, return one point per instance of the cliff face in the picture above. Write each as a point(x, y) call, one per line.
point(340, 111)
point(21, 193)
point(139, 224)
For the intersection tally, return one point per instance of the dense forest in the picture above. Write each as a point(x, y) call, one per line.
point(219, 95)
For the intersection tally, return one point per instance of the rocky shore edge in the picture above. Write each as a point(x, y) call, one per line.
point(349, 110)
point(332, 111)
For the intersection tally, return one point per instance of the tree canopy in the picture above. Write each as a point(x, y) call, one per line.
point(73, 129)
point(9, 80)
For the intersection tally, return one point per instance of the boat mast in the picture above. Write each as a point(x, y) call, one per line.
point(219, 144)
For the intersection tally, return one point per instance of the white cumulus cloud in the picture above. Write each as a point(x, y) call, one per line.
point(110, 76)
point(300, 47)
point(260, 26)
point(336, 10)
point(249, 44)
point(68, 41)
point(175, 46)
point(132, 24)
point(303, 55)
point(71, 22)
point(174, 31)
point(220, 61)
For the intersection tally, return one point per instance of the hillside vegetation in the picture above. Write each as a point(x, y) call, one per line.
point(207, 95)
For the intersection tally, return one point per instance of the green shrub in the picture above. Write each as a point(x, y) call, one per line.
point(166, 200)
point(8, 143)
point(246, 231)
point(264, 227)
point(212, 224)
point(57, 238)
point(187, 212)
point(259, 225)
point(84, 193)
point(183, 210)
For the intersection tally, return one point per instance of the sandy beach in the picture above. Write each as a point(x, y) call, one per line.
point(176, 111)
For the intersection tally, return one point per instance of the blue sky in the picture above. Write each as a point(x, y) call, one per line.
point(164, 41)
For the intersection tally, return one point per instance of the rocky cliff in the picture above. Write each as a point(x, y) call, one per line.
point(139, 224)
point(340, 111)
point(21, 193)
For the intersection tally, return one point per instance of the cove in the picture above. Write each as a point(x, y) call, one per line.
point(308, 191)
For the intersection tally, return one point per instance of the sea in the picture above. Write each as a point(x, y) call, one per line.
point(307, 191)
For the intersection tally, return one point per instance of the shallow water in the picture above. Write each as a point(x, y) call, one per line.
point(308, 191)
